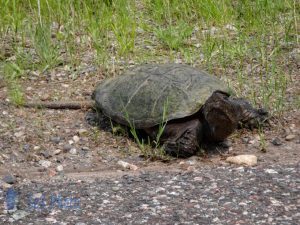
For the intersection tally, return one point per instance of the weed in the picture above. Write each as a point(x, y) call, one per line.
point(146, 148)
point(42, 35)
point(124, 26)
point(262, 140)
point(11, 75)
point(174, 37)
point(46, 49)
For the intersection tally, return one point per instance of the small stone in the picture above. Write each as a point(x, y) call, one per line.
point(45, 163)
point(252, 142)
point(36, 148)
point(57, 151)
point(51, 172)
point(19, 134)
point(276, 141)
point(4, 185)
point(9, 179)
point(45, 97)
point(245, 140)
point(85, 148)
point(73, 151)
point(82, 132)
point(190, 168)
point(76, 139)
point(67, 147)
point(51, 220)
point(115, 188)
point(271, 171)
point(26, 147)
point(290, 137)
point(127, 165)
point(198, 178)
point(59, 168)
point(248, 160)
point(226, 144)
point(46, 154)
point(230, 27)
point(19, 214)
point(37, 195)
point(55, 140)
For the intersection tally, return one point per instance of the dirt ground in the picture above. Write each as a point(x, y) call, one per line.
point(35, 143)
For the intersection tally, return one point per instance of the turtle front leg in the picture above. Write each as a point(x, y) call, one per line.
point(182, 139)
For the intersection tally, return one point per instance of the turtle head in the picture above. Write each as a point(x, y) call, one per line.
point(221, 116)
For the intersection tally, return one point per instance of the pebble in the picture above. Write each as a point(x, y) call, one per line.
point(57, 152)
point(46, 154)
point(127, 165)
point(59, 168)
point(9, 179)
point(51, 173)
point(76, 139)
point(115, 188)
point(252, 142)
point(19, 134)
point(4, 186)
point(51, 220)
point(36, 148)
point(230, 27)
point(245, 140)
point(249, 160)
point(82, 132)
point(45, 97)
point(85, 148)
point(67, 147)
point(26, 147)
point(290, 137)
point(226, 144)
point(73, 151)
point(45, 163)
point(276, 141)
point(198, 178)
point(271, 171)
point(55, 140)
point(20, 214)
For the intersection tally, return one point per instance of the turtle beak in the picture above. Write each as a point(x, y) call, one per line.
point(253, 118)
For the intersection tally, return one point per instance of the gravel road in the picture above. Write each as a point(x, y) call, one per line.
point(209, 195)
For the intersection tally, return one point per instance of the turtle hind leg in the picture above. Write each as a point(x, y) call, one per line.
point(185, 143)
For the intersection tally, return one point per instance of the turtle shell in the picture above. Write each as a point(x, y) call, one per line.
point(150, 94)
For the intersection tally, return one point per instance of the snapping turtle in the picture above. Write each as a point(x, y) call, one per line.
point(196, 107)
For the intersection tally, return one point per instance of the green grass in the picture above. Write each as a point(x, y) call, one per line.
point(247, 42)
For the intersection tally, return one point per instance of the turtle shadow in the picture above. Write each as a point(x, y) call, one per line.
point(96, 119)
point(99, 120)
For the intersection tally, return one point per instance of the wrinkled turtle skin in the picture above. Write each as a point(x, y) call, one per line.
point(197, 106)
point(143, 93)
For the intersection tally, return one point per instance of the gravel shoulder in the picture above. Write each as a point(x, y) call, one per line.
point(55, 153)
point(206, 195)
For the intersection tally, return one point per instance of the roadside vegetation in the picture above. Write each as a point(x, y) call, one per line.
point(245, 42)
point(252, 45)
